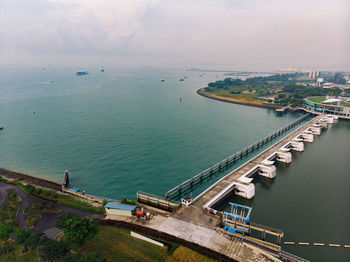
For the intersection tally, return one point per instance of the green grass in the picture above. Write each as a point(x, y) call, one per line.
point(17, 255)
point(3, 179)
point(345, 104)
point(32, 219)
point(34, 208)
point(12, 196)
point(317, 99)
point(116, 244)
point(60, 198)
point(8, 213)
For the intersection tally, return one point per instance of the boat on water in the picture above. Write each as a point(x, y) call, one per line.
point(163, 80)
point(82, 72)
point(181, 79)
point(1, 127)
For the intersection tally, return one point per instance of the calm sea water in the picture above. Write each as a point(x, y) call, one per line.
point(124, 130)
point(120, 131)
point(309, 199)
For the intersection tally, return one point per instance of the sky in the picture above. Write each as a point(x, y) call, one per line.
point(227, 34)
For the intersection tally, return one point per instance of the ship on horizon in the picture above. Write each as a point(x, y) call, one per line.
point(82, 72)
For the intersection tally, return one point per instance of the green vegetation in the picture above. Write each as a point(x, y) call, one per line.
point(77, 230)
point(12, 196)
point(84, 240)
point(53, 250)
point(88, 257)
point(63, 199)
point(116, 244)
point(34, 208)
point(3, 179)
point(9, 251)
point(32, 219)
point(128, 201)
point(5, 231)
point(345, 104)
point(317, 99)
point(8, 213)
point(286, 89)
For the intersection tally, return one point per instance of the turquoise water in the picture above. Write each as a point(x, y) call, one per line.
point(123, 130)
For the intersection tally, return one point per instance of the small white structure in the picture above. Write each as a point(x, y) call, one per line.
point(293, 145)
point(333, 101)
point(136, 235)
point(268, 171)
point(186, 200)
point(304, 137)
point(119, 209)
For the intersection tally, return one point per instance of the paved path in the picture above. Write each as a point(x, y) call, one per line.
point(45, 224)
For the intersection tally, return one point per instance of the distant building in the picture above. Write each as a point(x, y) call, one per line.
point(119, 209)
point(320, 81)
point(330, 106)
point(314, 74)
point(327, 85)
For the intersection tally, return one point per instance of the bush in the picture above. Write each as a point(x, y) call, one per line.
point(128, 201)
point(5, 231)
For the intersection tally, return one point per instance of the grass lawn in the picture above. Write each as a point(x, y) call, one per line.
point(33, 208)
point(8, 213)
point(317, 99)
point(17, 255)
point(246, 98)
point(345, 104)
point(32, 219)
point(116, 244)
point(12, 196)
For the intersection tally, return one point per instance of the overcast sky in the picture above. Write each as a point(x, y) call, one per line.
point(236, 34)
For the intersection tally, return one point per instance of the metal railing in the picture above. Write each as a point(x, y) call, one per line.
point(285, 256)
point(231, 159)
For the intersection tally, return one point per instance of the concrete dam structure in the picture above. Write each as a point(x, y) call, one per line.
point(240, 181)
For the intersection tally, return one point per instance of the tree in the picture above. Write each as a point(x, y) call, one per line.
point(36, 240)
point(5, 231)
point(89, 257)
point(22, 236)
point(53, 250)
point(77, 230)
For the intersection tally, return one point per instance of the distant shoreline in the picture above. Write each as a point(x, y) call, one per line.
point(201, 92)
point(12, 175)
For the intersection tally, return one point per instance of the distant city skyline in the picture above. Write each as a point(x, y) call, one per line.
point(234, 35)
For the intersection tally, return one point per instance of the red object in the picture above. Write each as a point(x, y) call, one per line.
point(140, 213)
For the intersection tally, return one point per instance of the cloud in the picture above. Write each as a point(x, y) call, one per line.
point(264, 34)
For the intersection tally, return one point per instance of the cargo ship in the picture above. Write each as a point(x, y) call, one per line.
point(82, 72)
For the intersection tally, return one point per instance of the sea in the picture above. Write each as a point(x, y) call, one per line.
point(124, 130)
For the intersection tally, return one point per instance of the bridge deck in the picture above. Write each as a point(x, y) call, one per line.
point(211, 192)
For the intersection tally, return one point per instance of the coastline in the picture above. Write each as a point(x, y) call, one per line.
point(12, 175)
point(202, 93)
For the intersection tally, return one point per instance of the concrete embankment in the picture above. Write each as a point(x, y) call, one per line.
point(202, 93)
point(11, 175)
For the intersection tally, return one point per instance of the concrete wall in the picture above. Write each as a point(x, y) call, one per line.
point(118, 212)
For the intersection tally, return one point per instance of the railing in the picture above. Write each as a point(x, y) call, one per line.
point(157, 201)
point(291, 258)
point(230, 160)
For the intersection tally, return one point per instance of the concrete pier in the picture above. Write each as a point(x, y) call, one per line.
point(238, 176)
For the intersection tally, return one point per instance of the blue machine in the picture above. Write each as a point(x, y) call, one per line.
point(237, 219)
